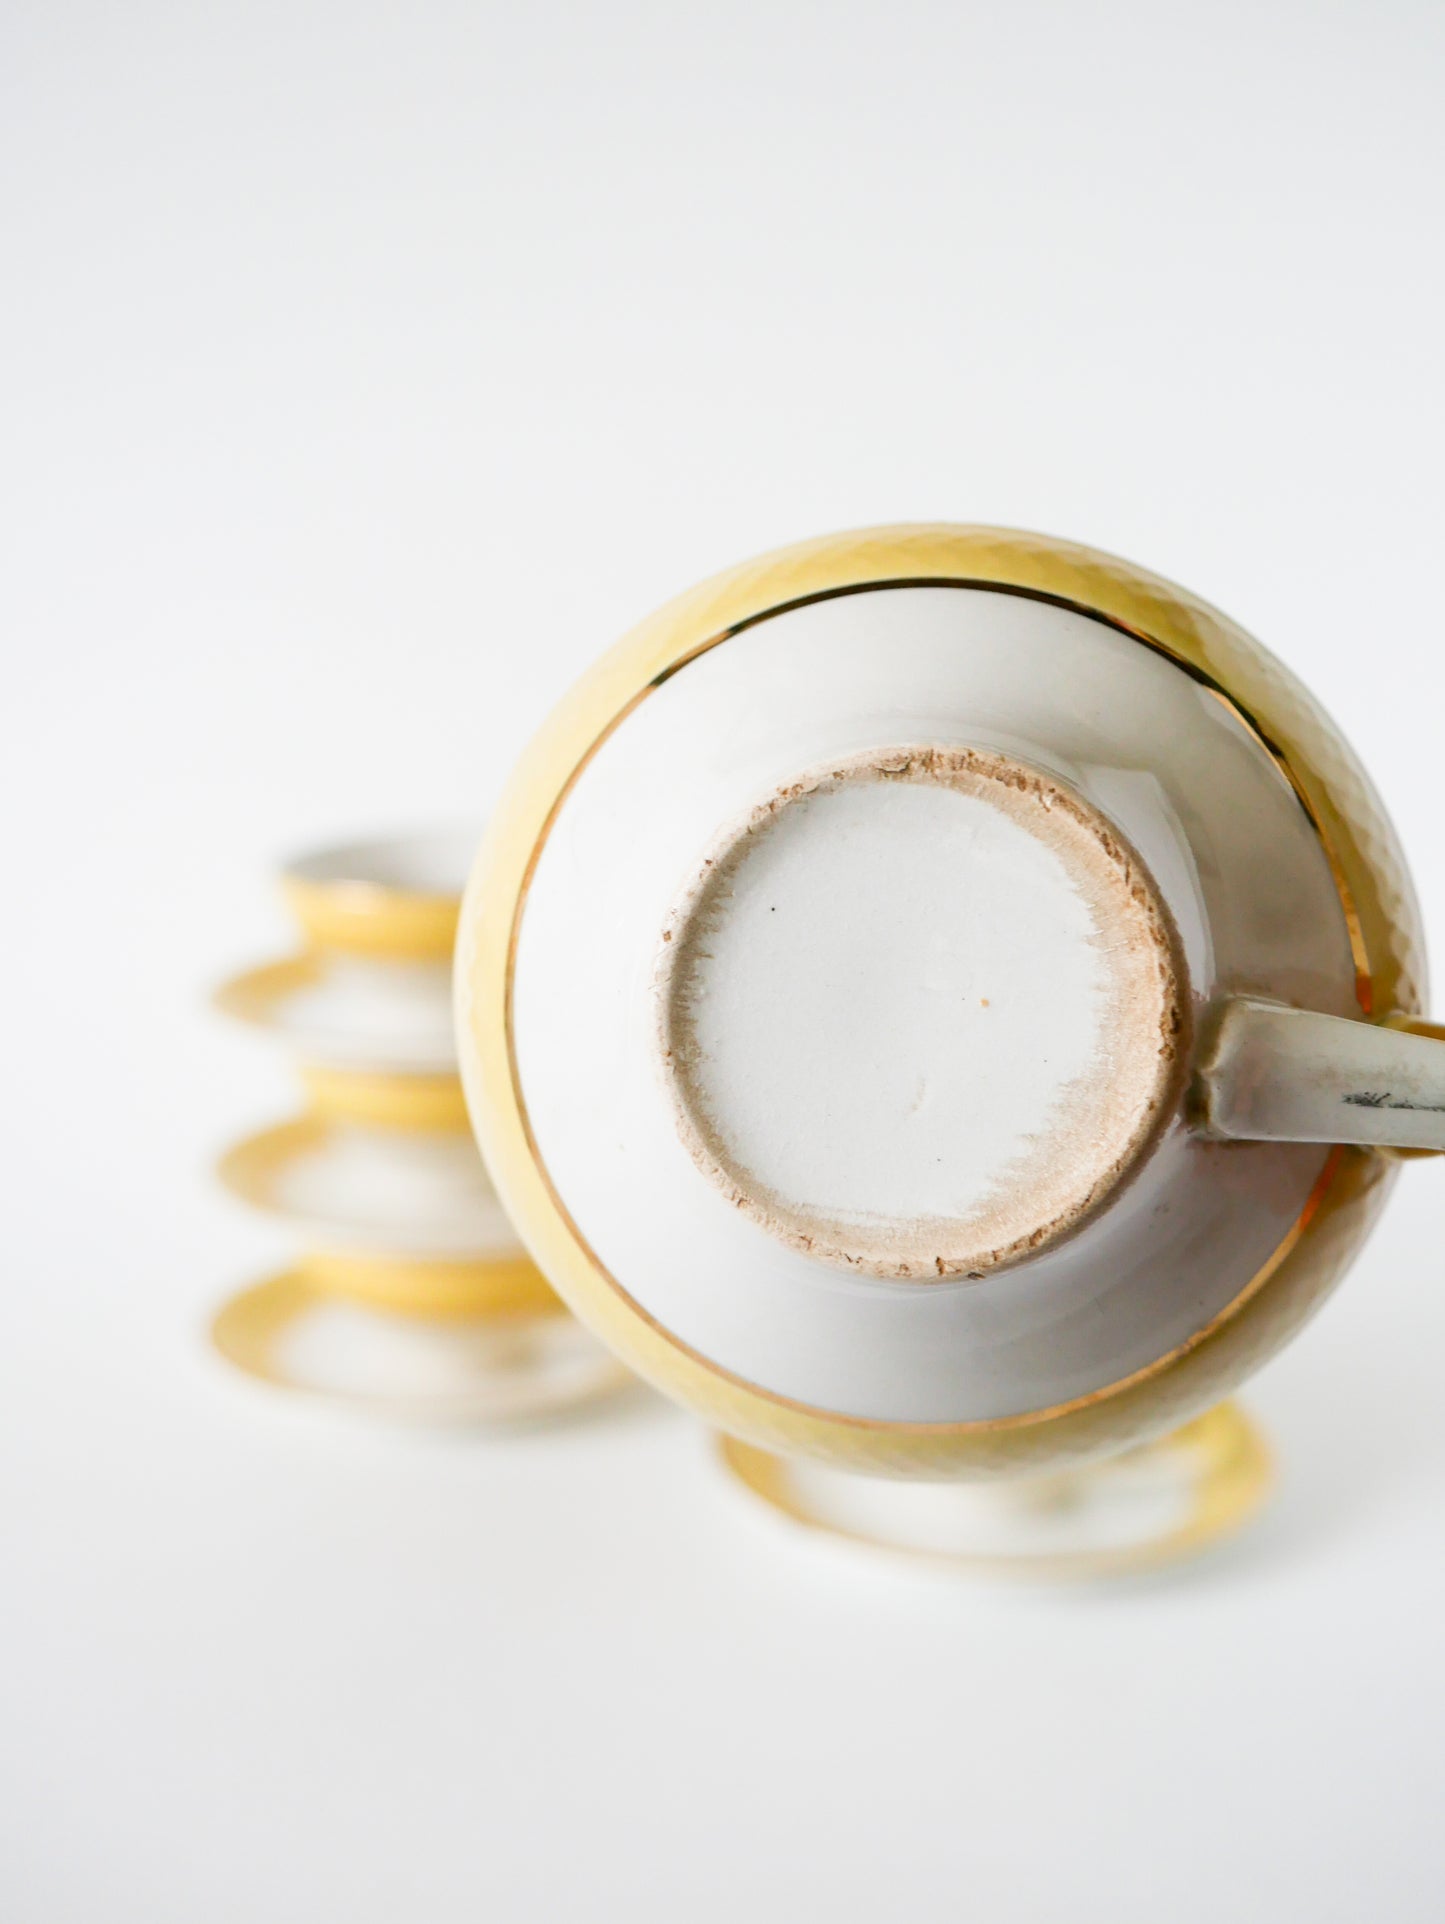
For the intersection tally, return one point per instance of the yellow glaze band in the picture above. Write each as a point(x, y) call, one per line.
point(509, 1286)
point(363, 918)
point(1376, 899)
point(386, 1101)
point(254, 995)
point(249, 1168)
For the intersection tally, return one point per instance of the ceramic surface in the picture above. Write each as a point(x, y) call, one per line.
point(1276, 872)
point(351, 1012)
point(920, 1012)
point(415, 1298)
point(290, 1334)
point(349, 1186)
point(404, 1102)
point(497, 1286)
point(394, 897)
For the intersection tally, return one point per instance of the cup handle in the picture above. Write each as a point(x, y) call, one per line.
point(1269, 1073)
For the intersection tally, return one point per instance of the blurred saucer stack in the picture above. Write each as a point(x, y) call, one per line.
point(414, 1297)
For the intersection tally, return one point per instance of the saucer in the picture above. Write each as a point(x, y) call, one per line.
point(1153, 1505)
point(293, 1336)
point(349, 1186)
point(398, 897)
point(351, 1012)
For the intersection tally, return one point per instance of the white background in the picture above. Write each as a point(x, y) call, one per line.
point(368, 369)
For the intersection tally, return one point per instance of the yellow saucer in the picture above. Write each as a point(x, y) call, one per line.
point(351, 1186)
point(1153, 1505)
point(293, 1336)
point(350, 1014)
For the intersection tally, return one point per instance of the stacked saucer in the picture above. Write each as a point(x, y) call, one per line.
point(414, 1296)
point(1162, 1500)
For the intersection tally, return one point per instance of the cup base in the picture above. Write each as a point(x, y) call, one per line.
point(1157, 1504)
point(921, 1012)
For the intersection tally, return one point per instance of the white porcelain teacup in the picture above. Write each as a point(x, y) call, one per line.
point(941, 1000)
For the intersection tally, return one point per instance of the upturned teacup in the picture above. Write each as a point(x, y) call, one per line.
point(944, 1000)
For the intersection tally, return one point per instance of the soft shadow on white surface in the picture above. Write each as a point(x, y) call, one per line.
point(371, 369)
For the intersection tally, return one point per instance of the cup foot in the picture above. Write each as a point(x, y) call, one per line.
point(1164, 1501)
point(496, 1369)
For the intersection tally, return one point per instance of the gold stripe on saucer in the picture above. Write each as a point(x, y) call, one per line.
point(255, 995)
point(249, 1168)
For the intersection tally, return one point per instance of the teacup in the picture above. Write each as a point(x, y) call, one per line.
point(394, 897)
point(943, 1000)
point(371, 991)
point(414, 1297)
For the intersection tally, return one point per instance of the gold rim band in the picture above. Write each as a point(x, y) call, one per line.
point(249, 1331)
point(1223, 1453)
point(249, 1167)
point(253, 996)
point(1377, 905)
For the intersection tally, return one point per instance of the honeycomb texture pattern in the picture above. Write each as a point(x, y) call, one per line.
point(1358, 838)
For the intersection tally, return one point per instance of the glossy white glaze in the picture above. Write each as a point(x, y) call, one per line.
point(1230, 850)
